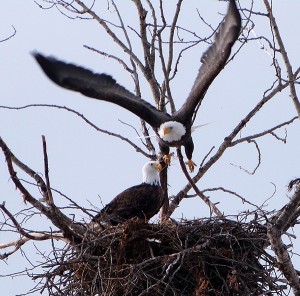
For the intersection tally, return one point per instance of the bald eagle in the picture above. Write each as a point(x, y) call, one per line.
point(173, 130)
point(142, 201)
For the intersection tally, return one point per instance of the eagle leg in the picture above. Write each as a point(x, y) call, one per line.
point(165, 151)
point(191, 165)
point(189, 148)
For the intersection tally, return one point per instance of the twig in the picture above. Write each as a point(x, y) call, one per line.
point(225, 145)
point(149, 51)
point(258, 161)
point(285, 57)
point(105, 54)
point(211, 205)
point(49, 198)
point(40, 236)
point(12, 35)
point(268, 131)
point(71, 231)
point(9, 157)
point(244, 200)
point(15, 222)
point(108, 30)
point(137, 148)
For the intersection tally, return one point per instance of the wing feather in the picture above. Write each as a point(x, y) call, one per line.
point(142, 201)
point(99, 86)
point(213, 61)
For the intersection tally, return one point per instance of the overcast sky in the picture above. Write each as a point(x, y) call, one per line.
point(85, 164)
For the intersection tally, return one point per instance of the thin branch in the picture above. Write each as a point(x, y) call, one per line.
point(285, 57)
point(9, 157)
point(225, 145)
point(137, 148)
point(149, 51)
point(10, 36)
point(211, 205)
point(49, 198)
point(171, 55)
point(71, 231)
point(35, 236)
point(105, 54)
point(15, 222)
point(258, 161)
point(114, 37)
point(244, 200)
point(268, 131)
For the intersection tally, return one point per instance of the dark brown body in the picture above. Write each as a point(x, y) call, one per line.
point(142, 201)
point(104, 87)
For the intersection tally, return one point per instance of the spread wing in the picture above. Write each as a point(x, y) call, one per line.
point(213, 61)
point(99, 86)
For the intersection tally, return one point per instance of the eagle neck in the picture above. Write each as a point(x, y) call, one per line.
point(151, 180)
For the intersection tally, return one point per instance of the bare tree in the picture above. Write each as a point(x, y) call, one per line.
point(220, 255)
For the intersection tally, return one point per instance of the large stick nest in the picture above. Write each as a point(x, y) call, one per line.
point(199, 257)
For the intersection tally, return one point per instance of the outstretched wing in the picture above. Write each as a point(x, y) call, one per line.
point(213, 61)
point(99, 86)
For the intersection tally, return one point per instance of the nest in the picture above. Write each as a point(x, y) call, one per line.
point(199, 257)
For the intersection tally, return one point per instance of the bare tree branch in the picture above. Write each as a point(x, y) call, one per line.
point(49, 196)
point(221, 254)
point(276, 228)
point(138, 149)
point(105, 54)
point(11, 36)
point(268, 131)
point(225, 145)
point(284, 54)
point(71, 231)
point(211, 205)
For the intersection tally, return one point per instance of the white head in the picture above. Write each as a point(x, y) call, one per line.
point(171, 131)
point(151, 172)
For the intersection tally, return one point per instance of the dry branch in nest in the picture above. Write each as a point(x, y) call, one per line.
point(199, 257)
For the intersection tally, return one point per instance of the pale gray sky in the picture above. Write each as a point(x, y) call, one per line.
point(85, 164)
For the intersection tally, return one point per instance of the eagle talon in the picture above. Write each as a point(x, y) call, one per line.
point(173, 130)
point(191, 165)
point(167, 159)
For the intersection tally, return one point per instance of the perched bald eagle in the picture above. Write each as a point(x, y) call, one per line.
point(142, 201)
point(173, 130)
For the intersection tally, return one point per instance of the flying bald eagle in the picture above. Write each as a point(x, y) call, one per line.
point(173, 130)
point(142, 201)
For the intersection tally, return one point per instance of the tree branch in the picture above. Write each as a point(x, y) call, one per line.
point(226, 144)
point(211, 205)
point(71, 231)
point(49, 198)
point(284, 54)
point(137, 148)
point(276, 227)
point(12, 35)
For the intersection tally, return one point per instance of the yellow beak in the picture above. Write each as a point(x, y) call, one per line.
point(166, 130)
point(158, 166)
